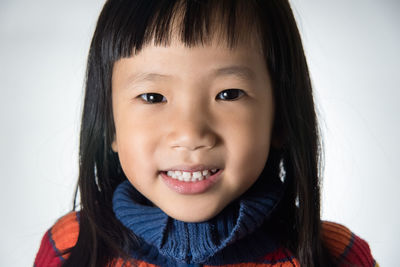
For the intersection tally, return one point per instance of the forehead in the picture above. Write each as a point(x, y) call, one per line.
point(209, 35)
point(216, 49)
point(215, 58)
point(201, 65)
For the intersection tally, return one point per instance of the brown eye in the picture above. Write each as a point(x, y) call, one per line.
point(231, 94)
point(152, 98)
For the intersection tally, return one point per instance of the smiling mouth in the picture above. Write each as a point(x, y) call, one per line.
point(192, 185)
point(184, 176)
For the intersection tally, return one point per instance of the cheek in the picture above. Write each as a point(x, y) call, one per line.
point(248, 142)
point(136, 145)
point(248, 151)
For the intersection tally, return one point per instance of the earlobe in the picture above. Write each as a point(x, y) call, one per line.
point(114, 146)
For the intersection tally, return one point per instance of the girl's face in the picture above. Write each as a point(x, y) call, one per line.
point(177, 107)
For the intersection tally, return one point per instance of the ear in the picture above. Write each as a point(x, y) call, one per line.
point(114, 145)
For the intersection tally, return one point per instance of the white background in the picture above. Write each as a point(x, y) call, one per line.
point(353, 54)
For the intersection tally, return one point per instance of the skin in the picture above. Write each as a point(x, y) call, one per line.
point(192, 123)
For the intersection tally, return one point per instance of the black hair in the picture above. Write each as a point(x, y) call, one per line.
point(124, 27)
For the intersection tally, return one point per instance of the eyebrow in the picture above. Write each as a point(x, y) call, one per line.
point(241, 72)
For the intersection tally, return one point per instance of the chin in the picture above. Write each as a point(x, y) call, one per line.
point(193, 215)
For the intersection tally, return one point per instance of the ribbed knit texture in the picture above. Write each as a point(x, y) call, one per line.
point(235, 231)
point(62, 236)
point(348, 248)
point(345, 246)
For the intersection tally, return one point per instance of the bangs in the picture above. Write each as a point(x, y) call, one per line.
point(131, 25)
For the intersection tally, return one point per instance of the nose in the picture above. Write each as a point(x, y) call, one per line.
point(191, 129)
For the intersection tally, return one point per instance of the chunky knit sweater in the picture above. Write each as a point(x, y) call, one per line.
point(234, 238)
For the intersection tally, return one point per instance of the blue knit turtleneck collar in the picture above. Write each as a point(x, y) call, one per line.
point(235, 231)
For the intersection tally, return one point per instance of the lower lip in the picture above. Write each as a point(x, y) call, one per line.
point(188, 188)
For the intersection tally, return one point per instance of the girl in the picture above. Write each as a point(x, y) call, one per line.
point(199, 144)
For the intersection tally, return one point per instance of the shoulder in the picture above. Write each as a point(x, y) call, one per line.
point(345, 246)
point(55, 243)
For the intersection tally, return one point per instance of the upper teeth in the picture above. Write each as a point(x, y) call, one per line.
point(191, 176)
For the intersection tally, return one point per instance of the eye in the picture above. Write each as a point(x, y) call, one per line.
point(152, 98)
point(231, 94)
